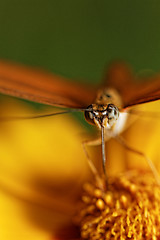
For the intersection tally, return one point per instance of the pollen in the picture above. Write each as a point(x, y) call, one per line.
point(127, 208)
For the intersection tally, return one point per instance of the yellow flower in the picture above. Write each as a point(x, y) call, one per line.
point(128, 208)
point(43, 168)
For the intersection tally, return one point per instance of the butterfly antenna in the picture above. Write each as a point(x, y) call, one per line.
point(103, 152)
point(36, 116)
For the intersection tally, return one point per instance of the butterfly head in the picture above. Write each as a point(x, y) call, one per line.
point(102, 115)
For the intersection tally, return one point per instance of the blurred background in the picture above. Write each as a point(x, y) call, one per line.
point(42, 161)
point(78, 38)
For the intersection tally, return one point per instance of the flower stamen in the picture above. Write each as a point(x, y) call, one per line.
point(128, 209)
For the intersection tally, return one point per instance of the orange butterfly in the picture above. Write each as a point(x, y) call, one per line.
point(105, 107)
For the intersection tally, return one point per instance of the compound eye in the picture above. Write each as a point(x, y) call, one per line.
point(113, 112)
point(89, 116)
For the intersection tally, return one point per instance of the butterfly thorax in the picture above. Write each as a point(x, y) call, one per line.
point(105, 111)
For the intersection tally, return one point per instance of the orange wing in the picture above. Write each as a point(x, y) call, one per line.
point(34, 85)
point(132, 90)
point(46, 88)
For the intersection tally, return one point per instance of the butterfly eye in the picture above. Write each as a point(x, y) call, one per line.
point(113, 113)
point(89, 115)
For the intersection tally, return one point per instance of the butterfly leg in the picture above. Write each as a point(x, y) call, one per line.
point(90, 162)
point(150, 163)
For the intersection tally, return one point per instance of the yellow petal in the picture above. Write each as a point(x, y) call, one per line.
point(42, 168)
point(144, 135)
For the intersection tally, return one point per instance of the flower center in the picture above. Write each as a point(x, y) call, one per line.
point(129, 209)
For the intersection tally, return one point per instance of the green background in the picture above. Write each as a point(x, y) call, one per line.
point(77, 38)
